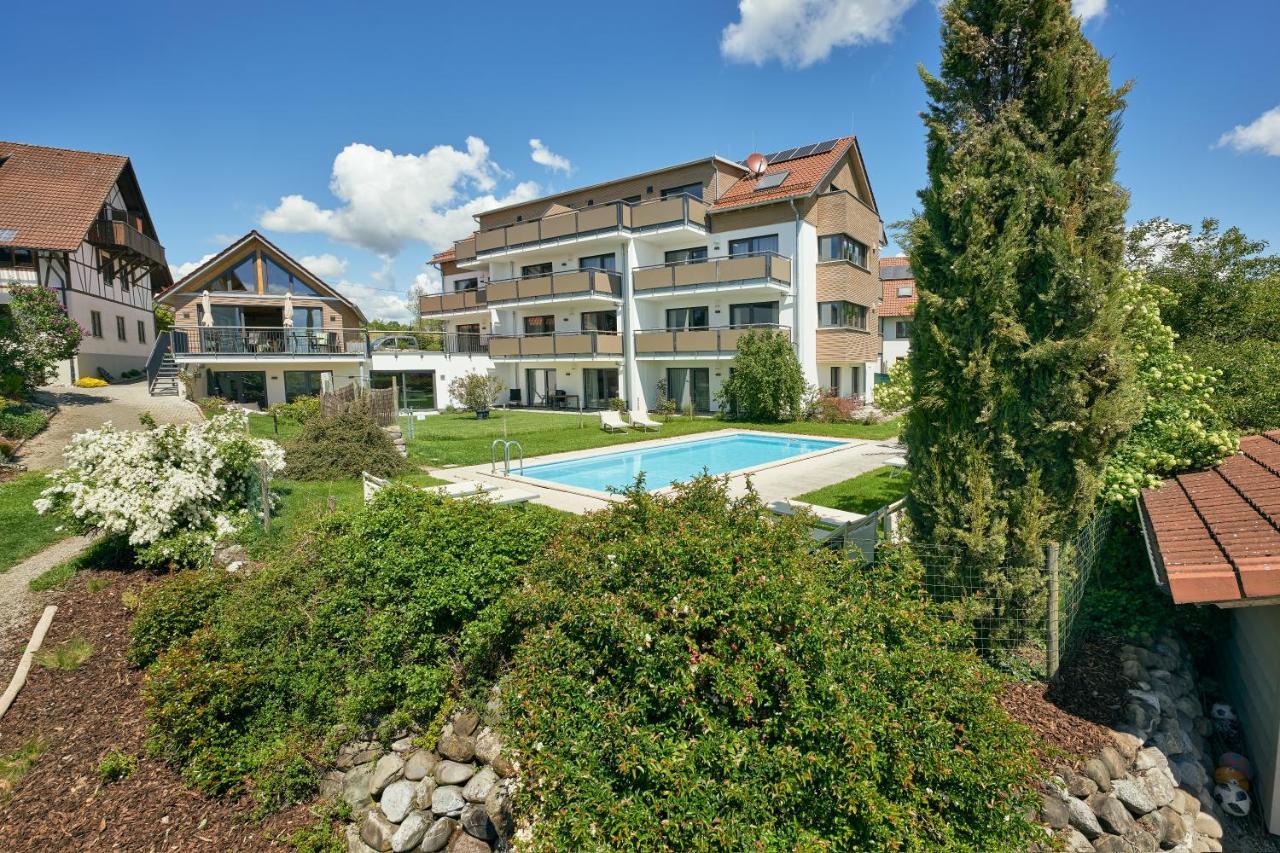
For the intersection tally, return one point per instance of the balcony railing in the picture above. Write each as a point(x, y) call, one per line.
point(120, 236)
point(599, 219)
point(581, 282)
point(761, 267)
point(556, 345)
point(715, 340)
point(268, 341)
point(449, 343)
point(458, 300)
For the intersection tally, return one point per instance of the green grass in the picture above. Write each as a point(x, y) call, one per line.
point(261, 426)
point(106, 552)
point(863, 494)
point(71, 653)
point(22, 531)
point(14, 765)
point(460, 439)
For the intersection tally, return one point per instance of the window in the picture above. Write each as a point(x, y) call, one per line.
point(835, 381)
point(241, 278)
point(902, 329)
point(686, 318)
point(466, 284)
point(543, 324)
point(536, 269)
point(17, 259)
point(303, 383)
point(599, 262)
point(120, 329)
point(686, 256)
point(694, 190)
point(469, 339)
point(842, 315)
point(905, 290)
point(599, 321)
point(95, 323)
point(106, 268)
point(281, 281)
point(842, 247)
point(753, 314)
point(753, 245)
point(142, 332)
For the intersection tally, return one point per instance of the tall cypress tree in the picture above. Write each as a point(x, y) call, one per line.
point(1021, 380)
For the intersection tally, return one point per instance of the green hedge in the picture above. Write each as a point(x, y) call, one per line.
point(358, 624)
point(695, 675)
point(19, 421)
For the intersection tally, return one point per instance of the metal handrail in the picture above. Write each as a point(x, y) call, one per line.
point(506, 456)
point(449, 343)
point(737, 327)
point(713, 259)
point(158, 351)
point(613, 276)
point(720, 345)
point(269, 340)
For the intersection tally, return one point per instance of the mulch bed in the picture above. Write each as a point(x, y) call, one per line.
point(83, 714)
point(1072, 714)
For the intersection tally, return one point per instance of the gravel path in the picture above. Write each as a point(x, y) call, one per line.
point(17, 601)
point(89, 408)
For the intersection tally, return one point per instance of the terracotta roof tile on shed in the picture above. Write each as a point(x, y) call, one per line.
point(891, 304)
point(1215, 535)
point(803, 176)
point(50, 196)
point(440, 257)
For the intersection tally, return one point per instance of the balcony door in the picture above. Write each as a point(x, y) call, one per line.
point(753, 314)
point(690, 385)
point(541, 385)
point(681, 319)
point(469, 337)
point(599, 386)
point(307, 334)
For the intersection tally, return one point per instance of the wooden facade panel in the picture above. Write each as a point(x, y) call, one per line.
point(847, 345)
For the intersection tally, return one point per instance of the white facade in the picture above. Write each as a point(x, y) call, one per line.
point(895, 333)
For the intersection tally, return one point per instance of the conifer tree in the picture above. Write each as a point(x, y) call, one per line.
point(1022, 385)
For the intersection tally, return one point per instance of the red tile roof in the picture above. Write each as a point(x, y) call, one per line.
point(1215, 535)
point(50, 196)
point(805, 174)
point(891, 304)
point(440, 257)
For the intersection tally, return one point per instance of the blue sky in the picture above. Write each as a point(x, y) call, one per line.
point(364, 136)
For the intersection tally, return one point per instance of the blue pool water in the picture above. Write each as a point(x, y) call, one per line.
point(668, 464)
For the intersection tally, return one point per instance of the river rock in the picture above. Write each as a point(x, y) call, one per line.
point(1115, 763)
point(397, 800)
point(420, 765)
point(475, 820)
point(1053, 812)
point(1097, 771)
point(465, 722)
point(438, 835)
point(1110, 844)
point(1148, 758)
point(1160, 783)
point(1074, 842)
point(355, 786)
point(457, 747)
point(1135, 794)
point(1154, 824)
point(357, 753)
point(1207, 824)
point(1083, 818)
point(1175, 830)
point(478, 787)
point(355, 844)
point(403, 744)
point(331, 784)
point(498, 806)
point(411, 831)
point(488, 745)
point(1128, 745)
point(376, 831)
point(388, 769)
point(447, 801)
point(422, 791)
point(453, 772)
point(1185, 803)
point(1112, 816)
point(1077, 785)
point(465, 843)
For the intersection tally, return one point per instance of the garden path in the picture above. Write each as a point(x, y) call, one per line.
point(17, 600)
point(90, 408)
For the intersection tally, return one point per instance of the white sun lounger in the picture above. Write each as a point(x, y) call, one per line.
point(468, 489)
point(507, 497)
point(612, 422)
point(642, 421)
point(832, 523)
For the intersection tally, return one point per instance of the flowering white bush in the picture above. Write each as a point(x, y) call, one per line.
point(164, 481)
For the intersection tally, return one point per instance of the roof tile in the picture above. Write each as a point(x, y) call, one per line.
point(803, 176)
point(50, 196)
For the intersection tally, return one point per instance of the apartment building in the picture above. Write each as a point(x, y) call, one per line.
point(897, 307)
point(76, 222)
point(625, 288)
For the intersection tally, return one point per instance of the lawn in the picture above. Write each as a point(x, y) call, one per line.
point(863, 494)
point(22, 531)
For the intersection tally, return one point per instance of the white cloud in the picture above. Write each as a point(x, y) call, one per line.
point(799, 33)
point(325, 265)
point(389, 200)
point(1263, 134)
point(377, 303)
point(1087, 10)
point(182, 270)
point(544, 156)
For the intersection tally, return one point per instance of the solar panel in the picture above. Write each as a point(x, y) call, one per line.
point(804, 151)
point(824, 147)
point(768, 158)
point(893, 272)
point(8, 235)
point(772, 180)
point(783, 156)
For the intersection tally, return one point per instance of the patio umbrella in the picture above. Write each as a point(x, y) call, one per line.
point(288, 310)
point(207, 305)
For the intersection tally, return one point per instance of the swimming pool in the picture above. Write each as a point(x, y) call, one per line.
point(670, 463)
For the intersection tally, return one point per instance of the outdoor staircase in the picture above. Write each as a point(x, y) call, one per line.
point(162, 369)
point(397, 438)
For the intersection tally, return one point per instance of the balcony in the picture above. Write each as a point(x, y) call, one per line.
point(617, 217)
point(714, 342)
point(457, 302)
point(122, 238)
point(426, 343)
point(235, 342)
point(567, 345)
point(762, 269)
point(584, 284)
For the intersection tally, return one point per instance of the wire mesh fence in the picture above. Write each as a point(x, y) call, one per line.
point(1022, 616)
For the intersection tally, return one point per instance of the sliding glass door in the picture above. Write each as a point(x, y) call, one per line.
point(690, 385)
point(541, 385)
point(599, 386)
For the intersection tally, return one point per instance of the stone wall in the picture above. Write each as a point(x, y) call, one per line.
point(1152, 790)
point(454, 797)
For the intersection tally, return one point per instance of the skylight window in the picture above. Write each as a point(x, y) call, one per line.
point(772, 180)
point(8, 235)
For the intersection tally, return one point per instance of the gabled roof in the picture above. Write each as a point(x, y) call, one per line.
point(254, 238)
point(804, 176)
point(1214, 536)
point(50, 196)
point(891, 304)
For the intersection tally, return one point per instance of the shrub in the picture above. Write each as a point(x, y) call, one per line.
point(300, 411)
point(211, 407)
point(476, 392)
point(895, 395)
point(361, 622)
point(153, 485)
point(767, 383)
point(20, 421)
point(90, 382)
point(341, 446)
point(35, 334)
point(832, 410)
point(694, 675)
point(172, 610)
point(116, 765)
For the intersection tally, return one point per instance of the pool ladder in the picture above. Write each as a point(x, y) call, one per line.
point(506, 456)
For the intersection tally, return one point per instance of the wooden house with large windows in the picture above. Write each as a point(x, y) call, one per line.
point(257, 327)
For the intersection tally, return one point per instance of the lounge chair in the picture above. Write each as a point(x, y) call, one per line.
point(612, 422)
point(461, 490)
point(507, 497)
point(642, 421)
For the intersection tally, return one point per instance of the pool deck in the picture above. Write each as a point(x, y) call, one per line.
point(773, 481)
